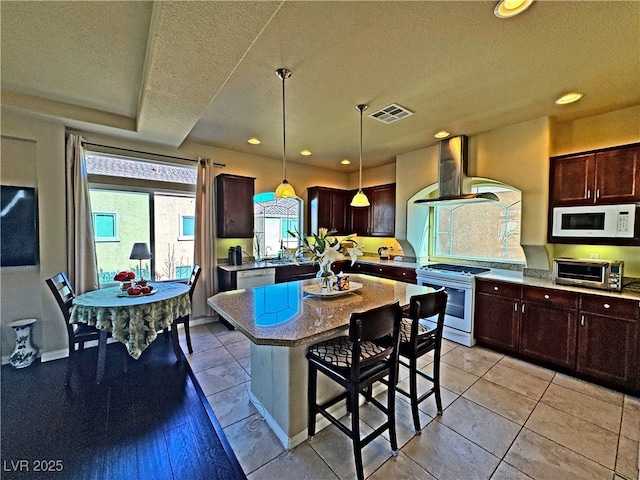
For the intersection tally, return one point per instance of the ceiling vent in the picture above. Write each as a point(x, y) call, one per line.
point(391, 113)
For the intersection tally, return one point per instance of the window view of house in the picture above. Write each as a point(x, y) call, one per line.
point(458, 228)
point(157, 210)
point(273, 217)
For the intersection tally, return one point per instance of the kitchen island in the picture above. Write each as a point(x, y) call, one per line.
point(282, 321)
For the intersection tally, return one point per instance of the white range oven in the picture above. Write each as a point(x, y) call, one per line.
point(458, 282)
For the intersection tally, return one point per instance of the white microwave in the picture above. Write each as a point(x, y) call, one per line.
point(595, 221)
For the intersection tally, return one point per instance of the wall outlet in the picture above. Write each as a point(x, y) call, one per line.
point(594, 256)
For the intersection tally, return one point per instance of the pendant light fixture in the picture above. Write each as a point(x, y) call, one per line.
point(360, 199)
point(284, 190)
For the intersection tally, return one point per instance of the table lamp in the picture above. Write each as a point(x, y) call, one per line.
point(140, 251)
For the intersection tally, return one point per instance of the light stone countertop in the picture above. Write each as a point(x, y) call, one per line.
point(372, 259)
point(285, 315)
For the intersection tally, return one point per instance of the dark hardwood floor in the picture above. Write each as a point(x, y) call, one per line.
point(150, 423)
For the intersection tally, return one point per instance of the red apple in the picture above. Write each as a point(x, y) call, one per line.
point(146, 289)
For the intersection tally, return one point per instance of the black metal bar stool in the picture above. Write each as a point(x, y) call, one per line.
point(356, 361)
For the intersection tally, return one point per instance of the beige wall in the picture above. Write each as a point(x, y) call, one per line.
point(33, 155)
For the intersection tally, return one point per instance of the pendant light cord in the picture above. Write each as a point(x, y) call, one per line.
point(284, 134)
point(360, 176)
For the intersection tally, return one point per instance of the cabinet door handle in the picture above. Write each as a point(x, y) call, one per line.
point(588, 193)
point(546, 296)
point(582, 320)
point(597, 193)
point(606, 305)
point(523, 308)
point(495, 288)
point(515, 307)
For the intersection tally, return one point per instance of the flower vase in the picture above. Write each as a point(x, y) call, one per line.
point(24, 353)
point(324, 278)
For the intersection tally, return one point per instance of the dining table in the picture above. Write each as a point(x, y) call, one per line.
point(282, 321)
point(133, 320)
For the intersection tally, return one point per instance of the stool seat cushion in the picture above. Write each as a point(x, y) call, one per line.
point(405, 330)
point(338, 351)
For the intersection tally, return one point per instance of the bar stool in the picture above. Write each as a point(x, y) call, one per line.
point(356, 361)
point(417, 340)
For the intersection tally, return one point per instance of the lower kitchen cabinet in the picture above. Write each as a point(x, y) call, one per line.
point(548, 325)
point(291, 273)
point(497, 315)
point(392, 272)
point(596, 337)
point(608, 340)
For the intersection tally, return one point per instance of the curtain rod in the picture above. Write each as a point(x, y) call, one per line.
point(148, 153)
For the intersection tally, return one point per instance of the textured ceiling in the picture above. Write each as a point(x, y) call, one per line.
point(166, 72)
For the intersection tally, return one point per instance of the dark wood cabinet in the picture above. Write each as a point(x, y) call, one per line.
point(292, 273)
point(596, 337)
point(378, 219)
point(234, 206)
point(392, 272)
point(608, 338)
point(327, 208)
point(548, 325)
point(606, 176)
point(497, 315)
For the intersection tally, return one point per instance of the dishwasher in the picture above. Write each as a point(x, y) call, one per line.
point(255, 278)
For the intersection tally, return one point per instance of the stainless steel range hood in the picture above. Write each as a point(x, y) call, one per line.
point(453, 183)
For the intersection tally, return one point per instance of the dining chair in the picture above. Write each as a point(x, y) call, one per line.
point(416, 340)
point(193, 280)
point(77, 334)
point(356, 361)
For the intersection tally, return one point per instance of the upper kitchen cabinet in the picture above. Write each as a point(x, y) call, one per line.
point(378, 219)
point(327, 207)
point(606, 176)
point(234, 206)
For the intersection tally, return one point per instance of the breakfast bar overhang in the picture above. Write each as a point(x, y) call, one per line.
point(282, 321)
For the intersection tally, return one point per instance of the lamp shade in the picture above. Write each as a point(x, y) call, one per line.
point(285, 190)
point(140, 251)
point(360, 200)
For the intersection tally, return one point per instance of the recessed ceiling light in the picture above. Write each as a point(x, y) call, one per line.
point(254, 141)
point(569, 98)
point(345, 161)
point(305, 152)
point(511, 8)
point(442, 134)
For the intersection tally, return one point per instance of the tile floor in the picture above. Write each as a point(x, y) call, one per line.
point(503, 419)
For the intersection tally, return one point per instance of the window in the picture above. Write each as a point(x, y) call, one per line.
point(272, 218)
point(135, 200)
point(187, 227)
point(105, 226)
point(487, 231)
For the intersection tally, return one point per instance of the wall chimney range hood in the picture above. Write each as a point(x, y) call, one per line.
point(453, 183)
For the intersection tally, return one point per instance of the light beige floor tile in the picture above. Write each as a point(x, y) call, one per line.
point(512, 405)
point(447, 455)
point(447, 346)
point(627, 461)
point(518, 381)
point(601, 393)
point(584, 406)
point(195, 330)
point(220, 378)
point(336, 449)
point(211, 358)
point(400, 468)
point(543, 459)
point(404, 419)
point(300, 463)
point(253, 442)
point(630, 427)
point(507, 472)
point(216, 326)
point(429, 404)
point(631, 401)
point(227, 337)
point(526, 367)
point(453, 378)
point(476, 360)
point(585, 438)
point(239, 350)
point(200, 343)
point(483, 427)
point(246, 364)
point(232, 405)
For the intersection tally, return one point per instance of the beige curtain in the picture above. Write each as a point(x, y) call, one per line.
point(205, 245)
point(82, 266)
